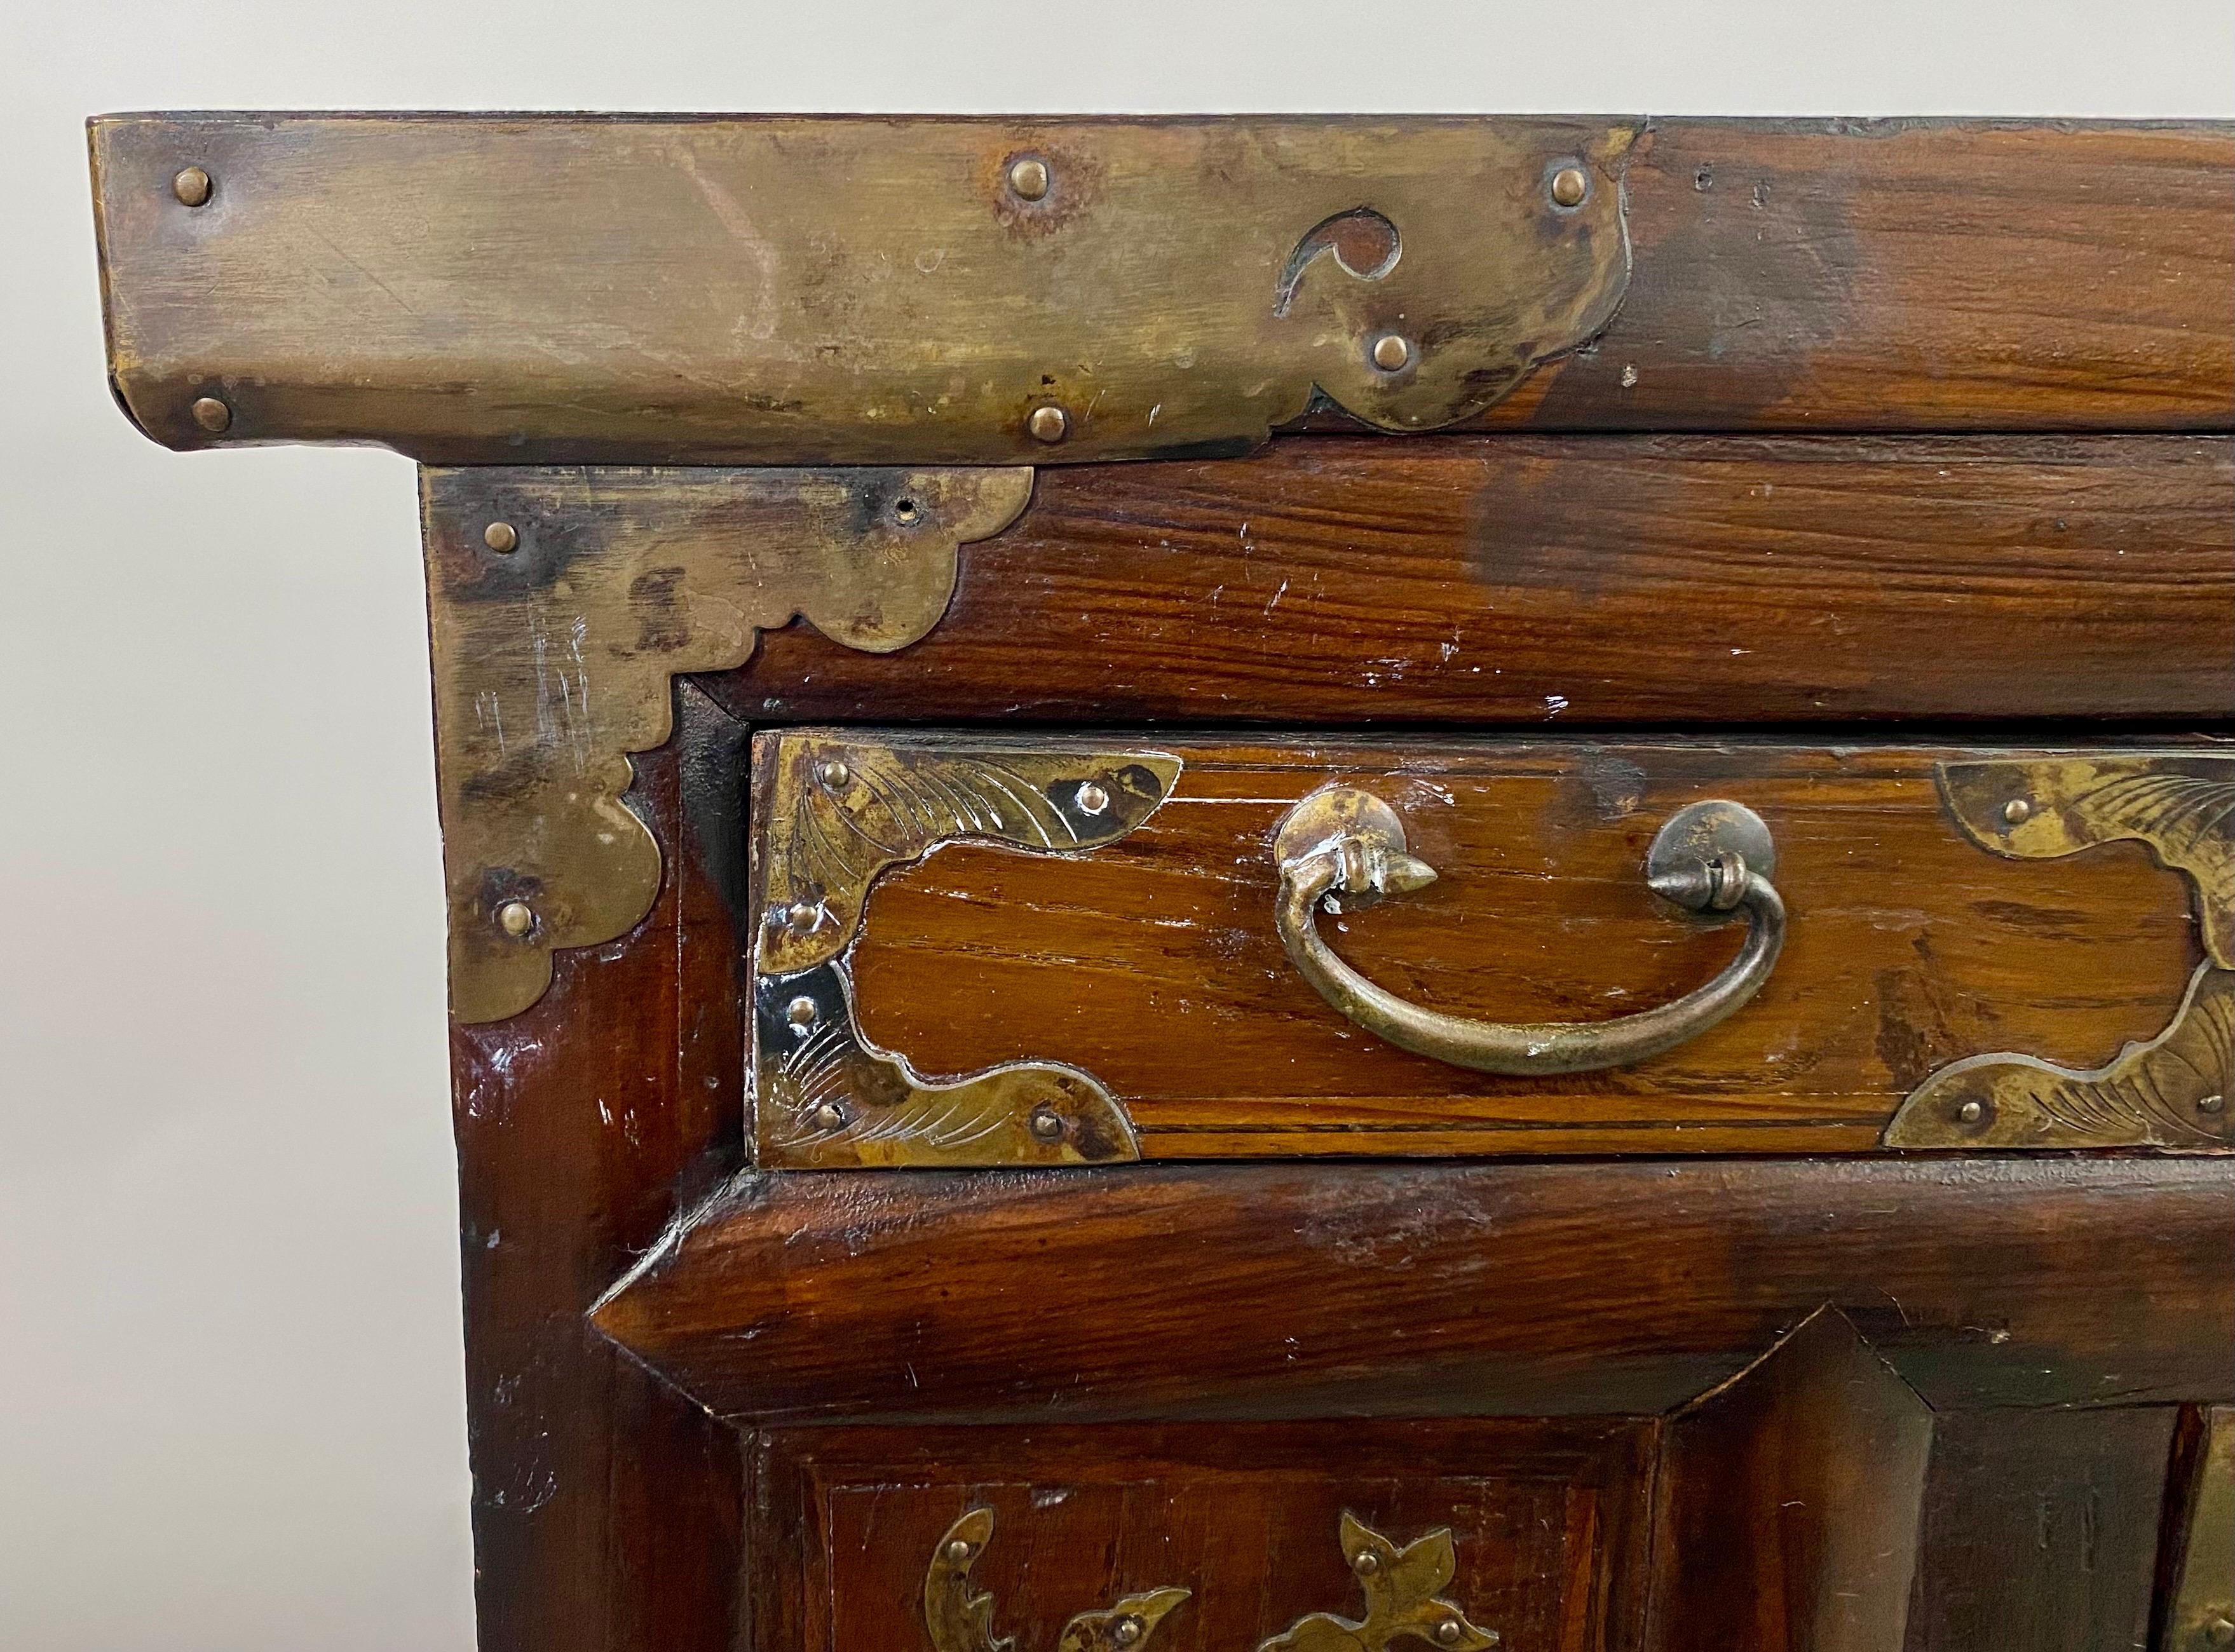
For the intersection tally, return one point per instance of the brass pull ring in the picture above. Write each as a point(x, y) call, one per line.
point(1711, 857)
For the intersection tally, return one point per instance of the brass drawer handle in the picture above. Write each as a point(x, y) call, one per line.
point(1709, 857)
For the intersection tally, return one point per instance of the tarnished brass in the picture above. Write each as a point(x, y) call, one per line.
point(839, 810)
point(960, 1621)
point(1403, 1599)
point(552, 661)
point(2182, 804)
point(2170, 1092)
point(509, 290)
point(2202, 1615)
point(1343, 845)
point(210, 415)
point(191, 185)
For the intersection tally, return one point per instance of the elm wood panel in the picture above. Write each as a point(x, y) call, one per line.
point(1154, 963)
point(1656, 579)
point(2040, 1530)
point(1281, 1290)
point(580, 1124)
point(1786, 1507)
point(1547, 1518)
point(1916, 274)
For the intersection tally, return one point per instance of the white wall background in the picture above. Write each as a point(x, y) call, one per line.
point(230, 1404)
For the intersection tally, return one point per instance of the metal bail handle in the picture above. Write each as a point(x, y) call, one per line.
point(1713, 857)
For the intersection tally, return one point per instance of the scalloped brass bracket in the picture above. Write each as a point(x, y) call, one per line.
point(1404, 1599)
point(834, 812)
point(562, 601)
point(541, 289)
point(2172, 1091)
point(961, 1621)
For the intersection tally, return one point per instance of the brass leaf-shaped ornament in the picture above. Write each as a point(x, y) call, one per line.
point(960, 1619)
point(1404, 1598)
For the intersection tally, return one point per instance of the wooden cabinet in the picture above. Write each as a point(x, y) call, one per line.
point(1293, 885)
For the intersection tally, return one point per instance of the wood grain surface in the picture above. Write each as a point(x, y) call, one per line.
point(1154, 964)
point(1525, 579)
point(1287, 1291)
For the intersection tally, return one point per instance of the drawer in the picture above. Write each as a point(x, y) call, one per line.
point(976, 950)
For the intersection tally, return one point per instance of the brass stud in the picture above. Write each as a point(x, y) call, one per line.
point(1449, 1631)
point(2220, 1631)
point(1030, 177)
point(2210, 1103)
point(801, 1011)
point(827, 1115)
point(1046, 1123)
point(957, 1552)
point(1391, 352)
point(1569, 185)
point(1971, 1112)
point(1093, 799)
point(1048, 424)
point(1367, 1564)
point(211, 414)
point(192, 186)
point(515, 918)
point(501, 537)
point(2017, 811)
point(802, 916)
point(1127, 1630)
point(834, 774)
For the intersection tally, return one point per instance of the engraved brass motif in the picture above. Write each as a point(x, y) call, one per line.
point(554, 642)
point(540, 289)
point(2202, 1616)
point(1403, 1599)
point(840, 809)
point(2173, 1090)
point(960, 1621)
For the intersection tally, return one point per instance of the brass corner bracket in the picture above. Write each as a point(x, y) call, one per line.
point(562, 601)
point(839, 810)
point(2175, 1091)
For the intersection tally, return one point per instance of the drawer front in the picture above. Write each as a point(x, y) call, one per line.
point(974, 950)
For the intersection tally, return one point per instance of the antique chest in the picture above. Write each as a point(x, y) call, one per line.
point(1299, 884)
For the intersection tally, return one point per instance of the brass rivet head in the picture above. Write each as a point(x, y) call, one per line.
point(802, 916)
point(502, 537)
point(2017, 811)
point(1127, 1630)
point(1569, 185)
point(1029, 178)
point(1971, 1112)
point(2210, 1103)
point(957, 1552)
point(515, 918)
point(2220, 1631)
point(801, 1011)
point(1048, 424)
point(1046, 1123)
point(1449, 1631)
point(192, 186)
point(211, 414)
point(1367, 1564)
point(1093, 799)
point(1391, 352)
point(827, 1115)
point(833, 774)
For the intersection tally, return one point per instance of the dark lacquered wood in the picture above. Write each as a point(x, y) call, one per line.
point(1557, 581)
point(1154, 963)
point(1461, 1289)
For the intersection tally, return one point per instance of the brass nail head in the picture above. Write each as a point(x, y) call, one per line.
point(1569, 185)
point(192, 186)
point(501, 537)
point(957, 1552)
point(2220, 1631)
point(1093, 799)
point(1391, 352)
point(2017, 811)
point(2210, 1104)
point(1030, 177)
point(1367, 1564)
point(834, 774)
point(515, 918)
point(1046, 1123)
point(1449, 1631)
point(1127, 1630)
point(801, 1011)
point(802, 916)
point(211, 414)
point(1971, 1112)
point(827, 1115)
point(1048, 424)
